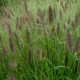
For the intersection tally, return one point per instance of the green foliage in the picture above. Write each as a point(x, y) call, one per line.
point(35, 44)
point(3, 2)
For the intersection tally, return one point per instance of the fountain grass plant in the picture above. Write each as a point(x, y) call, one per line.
point(40, 40)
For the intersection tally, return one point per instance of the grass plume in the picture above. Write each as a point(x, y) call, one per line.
point(50, 15)
point(11, 45)
point(76, 49)
point(69, 40)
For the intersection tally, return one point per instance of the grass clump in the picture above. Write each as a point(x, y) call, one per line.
point(39, 40)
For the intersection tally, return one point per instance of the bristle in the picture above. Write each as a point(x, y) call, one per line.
point(3, 48)
point(62, 6)
point(21, 23)
point(69, 40)
point(60, 14)
point(43, 14)
point(58, 27)
point(77, 18)
point(25, 5)
point(29, 19)
point(73, 25)
point(76, 21)
point(38, 52)
point(4, 24)
point(29, 44)
point(28, 36)
point(7, 26)
point(10, 11)
point(24, 19)
point(47, 29)
point(17, 23)
point(69, 21)
point(54, 13)
point(39, 12)
point(38, 16)
point(11, 45)
point(77, 45)
point(17, 40)
point(5, 12)
point(50, 15)
point(53, 30)
point(66, 4)
point(64, 26)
